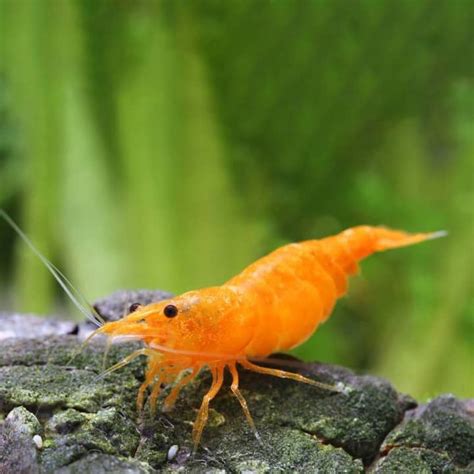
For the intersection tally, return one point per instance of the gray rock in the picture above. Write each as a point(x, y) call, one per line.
point(30, 326)
point(18, 452)
point(89, 422)
point(104, 463)
point(24, 421)
point(438, 436)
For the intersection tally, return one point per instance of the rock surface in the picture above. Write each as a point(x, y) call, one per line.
point(31, 326)
point(61, 415)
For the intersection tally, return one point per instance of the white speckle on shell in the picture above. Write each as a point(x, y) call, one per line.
point(38, 440)
point(172, 452)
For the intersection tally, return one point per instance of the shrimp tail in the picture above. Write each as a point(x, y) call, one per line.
point(363, 241)
point(340, 254)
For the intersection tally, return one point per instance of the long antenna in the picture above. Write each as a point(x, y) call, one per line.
point(73, 293)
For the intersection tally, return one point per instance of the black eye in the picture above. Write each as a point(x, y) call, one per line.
point(133, 307)
point(170, 311)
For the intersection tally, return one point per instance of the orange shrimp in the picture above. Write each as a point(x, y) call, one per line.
point(273, 305)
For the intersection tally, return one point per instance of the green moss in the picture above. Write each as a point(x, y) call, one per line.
point(301, 427)
point(65, 422)
point(104, 463)
point(216, 419)
point(50, 387)
point(403, 460)
point(419, 460)
point(445, 425)
point(48, 443)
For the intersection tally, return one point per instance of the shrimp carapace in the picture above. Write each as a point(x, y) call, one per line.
point(273, 305)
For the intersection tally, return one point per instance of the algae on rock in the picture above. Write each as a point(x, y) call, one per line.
point(89, 423)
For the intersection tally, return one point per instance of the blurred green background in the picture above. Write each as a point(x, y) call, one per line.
point(167, 144)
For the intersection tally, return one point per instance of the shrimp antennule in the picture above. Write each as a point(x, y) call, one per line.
point(73, 293)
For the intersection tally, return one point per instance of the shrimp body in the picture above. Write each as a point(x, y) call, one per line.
point(274, 304)
point(294, 289)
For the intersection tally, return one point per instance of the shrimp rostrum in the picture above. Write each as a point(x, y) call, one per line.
point(273, 305)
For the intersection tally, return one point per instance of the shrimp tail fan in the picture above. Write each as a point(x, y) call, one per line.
point(365, 240)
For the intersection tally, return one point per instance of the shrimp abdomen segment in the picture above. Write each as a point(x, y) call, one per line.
point(294, 289)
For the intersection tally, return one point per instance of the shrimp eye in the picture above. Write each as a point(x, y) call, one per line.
point(133, 307)
point(170, 311)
